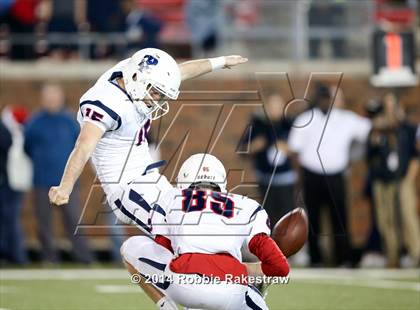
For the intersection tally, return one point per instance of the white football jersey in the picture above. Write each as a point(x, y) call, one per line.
point(122, 153)
point(209, 222)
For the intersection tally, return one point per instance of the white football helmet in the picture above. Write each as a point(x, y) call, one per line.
point(151, 78)
point(202, 168)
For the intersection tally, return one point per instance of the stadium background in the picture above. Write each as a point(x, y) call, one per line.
point(198, 121)
point(275, 40)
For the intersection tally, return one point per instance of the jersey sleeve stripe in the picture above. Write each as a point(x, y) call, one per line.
point(153, 263)
point(109, 111)
point(250, 303)
point(157, 164)
point(131, 216)
point(159, 209)
point(115, 75)
point(258, 209)
point(162, 285)
point(138, 199)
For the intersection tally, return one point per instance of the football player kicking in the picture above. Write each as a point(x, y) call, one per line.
point(199, 230)
point(115, 116)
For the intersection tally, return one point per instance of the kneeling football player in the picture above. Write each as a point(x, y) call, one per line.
point(193, 256)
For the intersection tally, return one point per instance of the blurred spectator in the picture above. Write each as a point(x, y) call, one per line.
point(116, 234)
point(105, 16)
point(418, 139)
point(323, 156)
point(330, 15)
point(64, 16)
point(275, 176)
point(5, 6)
point(14, 179)
point(5, 144)
point(372, 252)
point(393, 158)
point(203, 19)
point(20, 17)
point(141, 28)
point(49, 138)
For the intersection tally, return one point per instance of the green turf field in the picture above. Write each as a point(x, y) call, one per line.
point(308, 289)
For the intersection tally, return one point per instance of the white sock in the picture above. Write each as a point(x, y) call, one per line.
point(165, 303)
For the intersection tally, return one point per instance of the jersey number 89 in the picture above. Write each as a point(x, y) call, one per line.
point(196, 200)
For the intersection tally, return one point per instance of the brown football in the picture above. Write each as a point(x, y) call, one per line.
point(291, 231)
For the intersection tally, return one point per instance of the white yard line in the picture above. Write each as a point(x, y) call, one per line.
point(374, 278)
point(93, 274)
point(372, 283)
point(380, 284)
point(330, 273)
point(63, 274)
point(7, 290)
point(117, 289)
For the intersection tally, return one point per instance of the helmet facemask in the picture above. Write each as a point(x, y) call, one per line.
point(205, 185)
point(151, 78)
point(152, 98)
point(156, 102)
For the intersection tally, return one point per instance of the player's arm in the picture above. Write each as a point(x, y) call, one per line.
point(273, 262)
point(88, 138)
point(255, 269)
point(195, 68)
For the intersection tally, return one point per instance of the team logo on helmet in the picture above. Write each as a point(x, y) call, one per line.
point(146, 63)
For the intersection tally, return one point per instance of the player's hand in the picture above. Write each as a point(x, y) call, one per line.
point(58, 196)
point(282, 146)
point(258, 144)
point(234, 60)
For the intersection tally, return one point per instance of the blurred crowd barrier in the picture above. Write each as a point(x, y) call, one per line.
point(296, 30)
